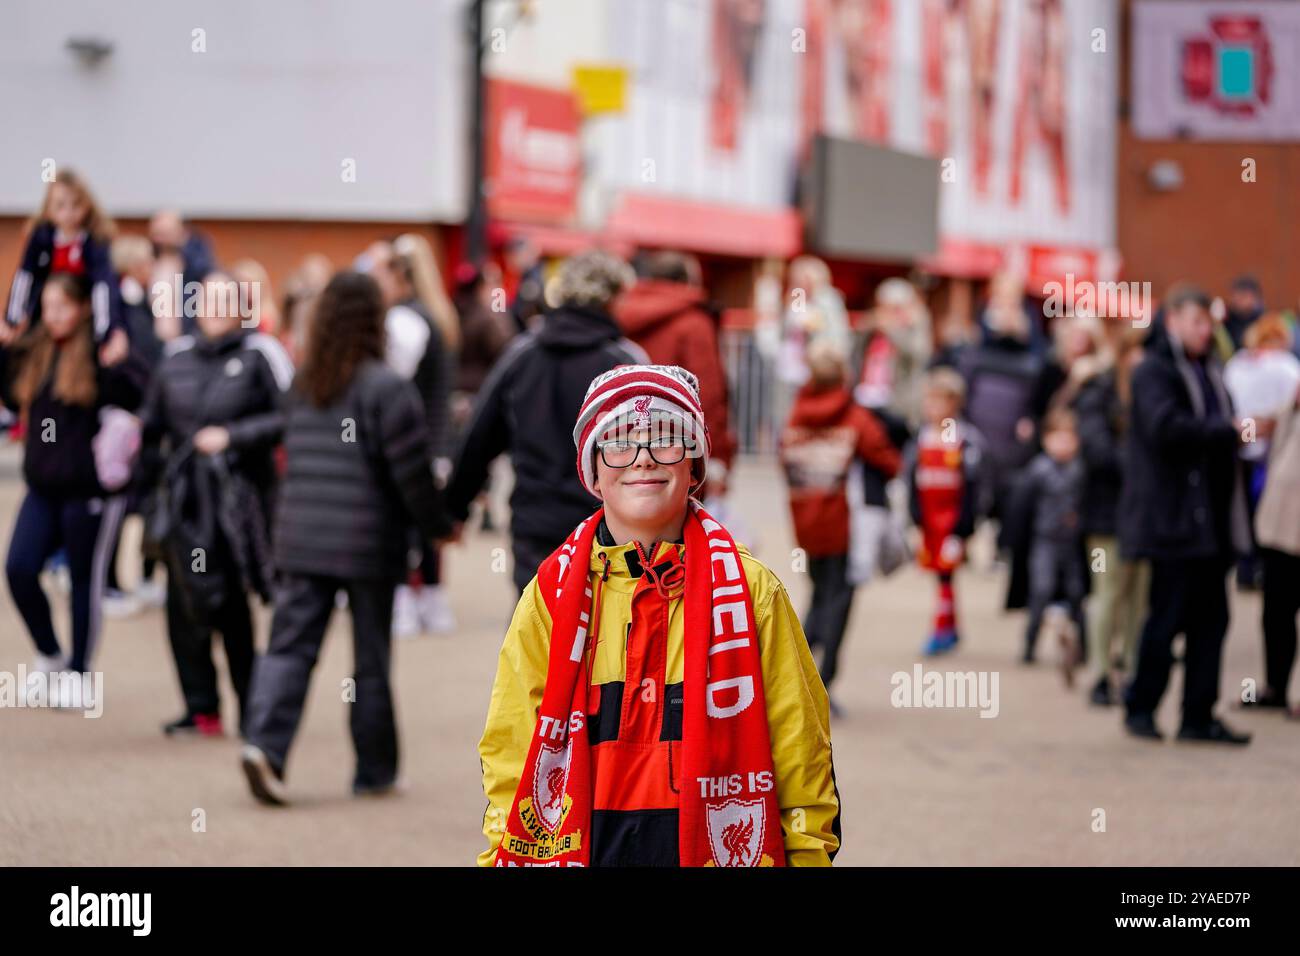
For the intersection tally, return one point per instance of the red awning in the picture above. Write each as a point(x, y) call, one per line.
point(646, 220)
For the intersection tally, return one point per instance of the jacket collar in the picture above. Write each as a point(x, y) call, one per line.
point(227, 343)
point(624, 562)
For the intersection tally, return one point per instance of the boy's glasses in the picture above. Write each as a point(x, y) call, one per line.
point(622, 453)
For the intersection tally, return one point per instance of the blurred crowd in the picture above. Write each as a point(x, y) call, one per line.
point(318, 449)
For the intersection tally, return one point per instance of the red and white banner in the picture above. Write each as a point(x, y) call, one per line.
point(534, 153)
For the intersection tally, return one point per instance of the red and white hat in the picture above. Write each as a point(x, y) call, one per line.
point(633, 396)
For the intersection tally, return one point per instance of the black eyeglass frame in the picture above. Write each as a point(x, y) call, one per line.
point(686, 444)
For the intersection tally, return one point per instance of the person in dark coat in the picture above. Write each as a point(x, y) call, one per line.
point(213, 408)
point(1118, 597)
point(537, 386)
point(1182, 508)
point(358, 474)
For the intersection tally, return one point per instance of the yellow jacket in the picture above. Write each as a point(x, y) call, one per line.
point(797, 706)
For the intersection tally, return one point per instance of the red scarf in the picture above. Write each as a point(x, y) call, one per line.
point(728, 813)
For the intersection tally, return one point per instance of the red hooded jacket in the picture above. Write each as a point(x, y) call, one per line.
point(826, 432)
point(671, 321)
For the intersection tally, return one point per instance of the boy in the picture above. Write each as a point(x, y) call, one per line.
point(692, 728)
point(1048, 505)
point(826, 433)
point(945, 481)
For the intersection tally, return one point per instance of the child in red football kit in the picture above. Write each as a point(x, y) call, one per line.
point(943, 478)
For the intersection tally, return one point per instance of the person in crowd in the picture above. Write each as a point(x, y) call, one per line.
point(69, 234)
point(186, 249)
point(814, 309)
point(826, 434)
point(258, 299)
point(486, 330)
point(1048, 507)
point(524, 260)
point(1261, 378)
point(1183, 508)
point(947, 488)
point(894, 353)
point(667, 313)
point(55, 382)
point(650, 661)
point(423, 329)
point(537, 384)
point(133, 260)
point(1007, 308)
point(301, 290)
point(210, 424)
point(1118, 594)
point(1002, 373)
point(358, 475)
point(1245, 304)
point(1079, 353)
point(1277, 529)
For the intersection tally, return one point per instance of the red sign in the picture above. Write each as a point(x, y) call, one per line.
point(534, 155)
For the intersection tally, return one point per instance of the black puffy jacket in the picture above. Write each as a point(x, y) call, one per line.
point(358, 474)
point(528, 406)
point(237, 382)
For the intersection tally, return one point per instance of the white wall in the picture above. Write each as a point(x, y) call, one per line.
point(258, 125)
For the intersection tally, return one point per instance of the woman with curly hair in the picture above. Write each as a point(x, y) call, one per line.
point(358, 474)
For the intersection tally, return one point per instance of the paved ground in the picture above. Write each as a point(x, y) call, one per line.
point(919, 787)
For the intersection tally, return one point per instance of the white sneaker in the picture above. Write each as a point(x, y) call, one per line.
point(406, 614)
point(267, 785)
point(435, 610)
point(120, 604)
point(151, 593)
point(45, 665)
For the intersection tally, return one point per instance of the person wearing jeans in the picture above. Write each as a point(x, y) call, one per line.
point(55, 381)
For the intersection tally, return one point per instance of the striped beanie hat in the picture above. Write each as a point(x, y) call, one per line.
point(634, 396)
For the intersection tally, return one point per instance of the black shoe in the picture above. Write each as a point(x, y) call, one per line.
point(1101, 696)
point(207, 725)
point(1215, 732)
point(1142, 725)
point(264, 780)
point(377, 789)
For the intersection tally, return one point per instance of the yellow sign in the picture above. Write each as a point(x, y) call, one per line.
point(600, 88)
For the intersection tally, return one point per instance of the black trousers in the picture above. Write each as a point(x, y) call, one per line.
point(1281, 604)
point(303, 606)
point(828, 614)
point(1189, 597)
point(191, 642)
